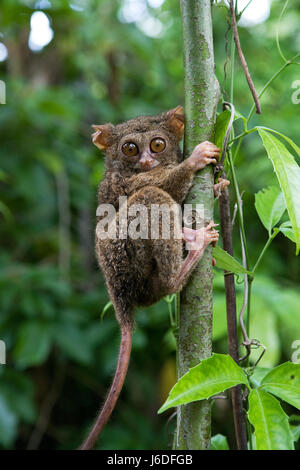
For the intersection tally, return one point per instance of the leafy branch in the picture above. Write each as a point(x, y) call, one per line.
point(220, 372)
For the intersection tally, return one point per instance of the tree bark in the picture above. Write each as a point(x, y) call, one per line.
point(195, 328)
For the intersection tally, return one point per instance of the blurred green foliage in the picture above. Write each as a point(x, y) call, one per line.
point(60, 355)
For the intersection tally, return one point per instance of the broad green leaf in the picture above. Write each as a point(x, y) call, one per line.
point(227, 262)
point(33, 344)
point(211, 376)
point(288, 174)
point(270, 206)
point(271, 424)
point(284, 382)
point(219, 442)
point(289, 141)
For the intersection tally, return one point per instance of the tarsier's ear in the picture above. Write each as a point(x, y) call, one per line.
point(102, 136)
point(175, 118)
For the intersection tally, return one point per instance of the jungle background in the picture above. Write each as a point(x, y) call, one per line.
point(108, 61)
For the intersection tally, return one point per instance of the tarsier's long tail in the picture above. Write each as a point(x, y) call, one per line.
point(115, 390)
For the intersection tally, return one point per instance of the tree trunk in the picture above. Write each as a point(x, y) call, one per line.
point(195, 329)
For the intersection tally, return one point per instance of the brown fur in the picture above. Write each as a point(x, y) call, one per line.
point(141, 272)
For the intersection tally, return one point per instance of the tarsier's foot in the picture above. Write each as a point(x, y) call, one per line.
point(220, 186)
point(197, 240)
point(204, 154)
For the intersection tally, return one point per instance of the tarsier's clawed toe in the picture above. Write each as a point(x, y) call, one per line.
point(211, 235)
point(220, 186)
point(198, 240)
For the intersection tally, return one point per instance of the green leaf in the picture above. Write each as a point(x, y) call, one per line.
point(288, 174)
point(271, 424)
point(33, 344)
point(219, 442)
point(211, 376)
point(287, 231)
point(227, 262)
point(287, 224)
point(289, 141)
point(270, 206)
point(221, 127)
point(222, 124)
point(258, 374)
point(284, 382)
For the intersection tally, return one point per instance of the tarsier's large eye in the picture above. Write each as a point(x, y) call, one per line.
point(130, 149)
point(158, 145)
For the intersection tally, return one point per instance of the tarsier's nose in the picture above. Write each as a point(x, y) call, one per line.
point(147, 162)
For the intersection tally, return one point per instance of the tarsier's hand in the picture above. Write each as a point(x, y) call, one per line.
point(203, 154)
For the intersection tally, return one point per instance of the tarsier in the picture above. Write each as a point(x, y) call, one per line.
point(144, 163)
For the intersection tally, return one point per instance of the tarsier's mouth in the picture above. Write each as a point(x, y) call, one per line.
point(147, 165)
